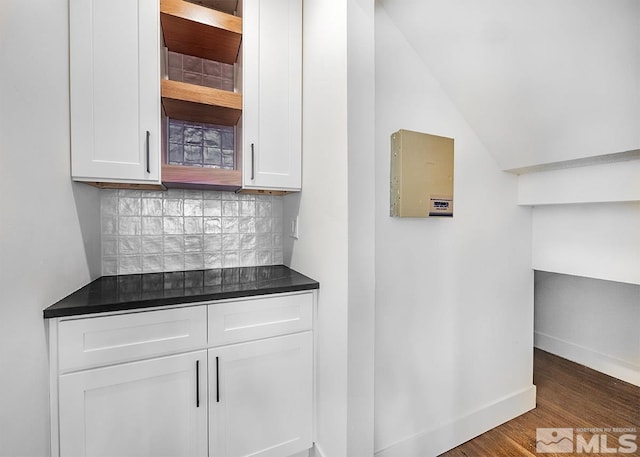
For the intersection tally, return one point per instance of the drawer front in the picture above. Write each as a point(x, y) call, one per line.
point(246, 320)
point(120, 338)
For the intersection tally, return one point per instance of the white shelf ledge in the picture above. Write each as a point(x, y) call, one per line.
point(601, 179)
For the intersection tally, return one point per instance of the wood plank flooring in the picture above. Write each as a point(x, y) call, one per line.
point(568, 396)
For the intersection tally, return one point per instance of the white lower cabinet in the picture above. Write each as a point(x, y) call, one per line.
point(151, 408)
point(153, 384)
point(260, 397)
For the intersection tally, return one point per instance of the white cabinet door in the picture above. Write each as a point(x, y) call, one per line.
point(261, 397)
point(115, 90)
point(153, 408)
point(272, 94)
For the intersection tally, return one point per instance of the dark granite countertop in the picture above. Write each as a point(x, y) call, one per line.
point(128, 292)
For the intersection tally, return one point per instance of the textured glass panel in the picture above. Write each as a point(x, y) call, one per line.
point(263, 209)
point(128, 245)
point(263, 240)
point(247, 208)
point(172, 207)
point(129, 226)
point(191, 194)
point(152, 226)
point(212, 208)
point(192, 225)
point(277, 257)
point(193, 207)
point(247, 258)
point(200, 71)
point(201, 145)
point(109, 246)
point(212, 225)
point(194, 261)
point(229, 208)
point(129, 206)
point(263, 224)
point(230, 242)
point(174, 262)
point(276, 225)
point(152, 207)
point(213, 260)
point(212, 194)
point(109, 266)
point(212, 243)
point(109, 225)
point(230, 259)
point(152, 263)
point(193, 243)
point(246, 225)
point(173, 225)
point(151, 244)
point(173, 244)
point(263, 257)
point(229, 225)
point(129, 265)
point(248, 241)
point(109, 202)
point(277, 240)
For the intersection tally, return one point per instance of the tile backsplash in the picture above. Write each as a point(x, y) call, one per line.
point(148, 231)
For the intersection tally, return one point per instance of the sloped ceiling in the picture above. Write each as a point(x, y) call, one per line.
point(540, 81)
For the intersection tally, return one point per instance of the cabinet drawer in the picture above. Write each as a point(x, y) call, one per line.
point(124, 337)
point(233, 322)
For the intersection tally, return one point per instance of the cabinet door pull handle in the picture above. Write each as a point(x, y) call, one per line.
point(197, 384)
point(253, 164)
point(217, 382)
point(147, 151)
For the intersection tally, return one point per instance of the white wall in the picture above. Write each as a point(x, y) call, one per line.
point(322, 249)
point(590, 321)
point(539, 81)
point(454, 297)
point(361, 162)
point(49, 227)
point(595, 240)
point(336, 216)
point(587, 294)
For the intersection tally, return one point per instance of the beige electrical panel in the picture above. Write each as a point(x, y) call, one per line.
point(421, 175)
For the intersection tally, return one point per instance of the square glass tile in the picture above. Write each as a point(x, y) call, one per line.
point(201, 145)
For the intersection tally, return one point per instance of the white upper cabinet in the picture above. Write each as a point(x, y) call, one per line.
point(115, 90)
point(272, 95)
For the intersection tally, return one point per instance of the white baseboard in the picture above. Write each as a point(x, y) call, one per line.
point(431, 443)
point(603, 363)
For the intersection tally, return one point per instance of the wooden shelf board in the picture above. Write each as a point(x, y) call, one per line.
point(122, 185)
point(201, 178)
point(190, 102)
point(264, 192)
point(200, 31)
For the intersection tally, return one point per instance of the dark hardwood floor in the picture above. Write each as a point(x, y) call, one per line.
point(568, 396)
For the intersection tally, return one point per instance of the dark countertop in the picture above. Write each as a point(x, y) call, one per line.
point(128, 292)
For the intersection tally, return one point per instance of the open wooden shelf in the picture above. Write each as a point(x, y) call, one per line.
point(185, 176)
point(190, 102)
point(200, 31)
point(203, 32)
